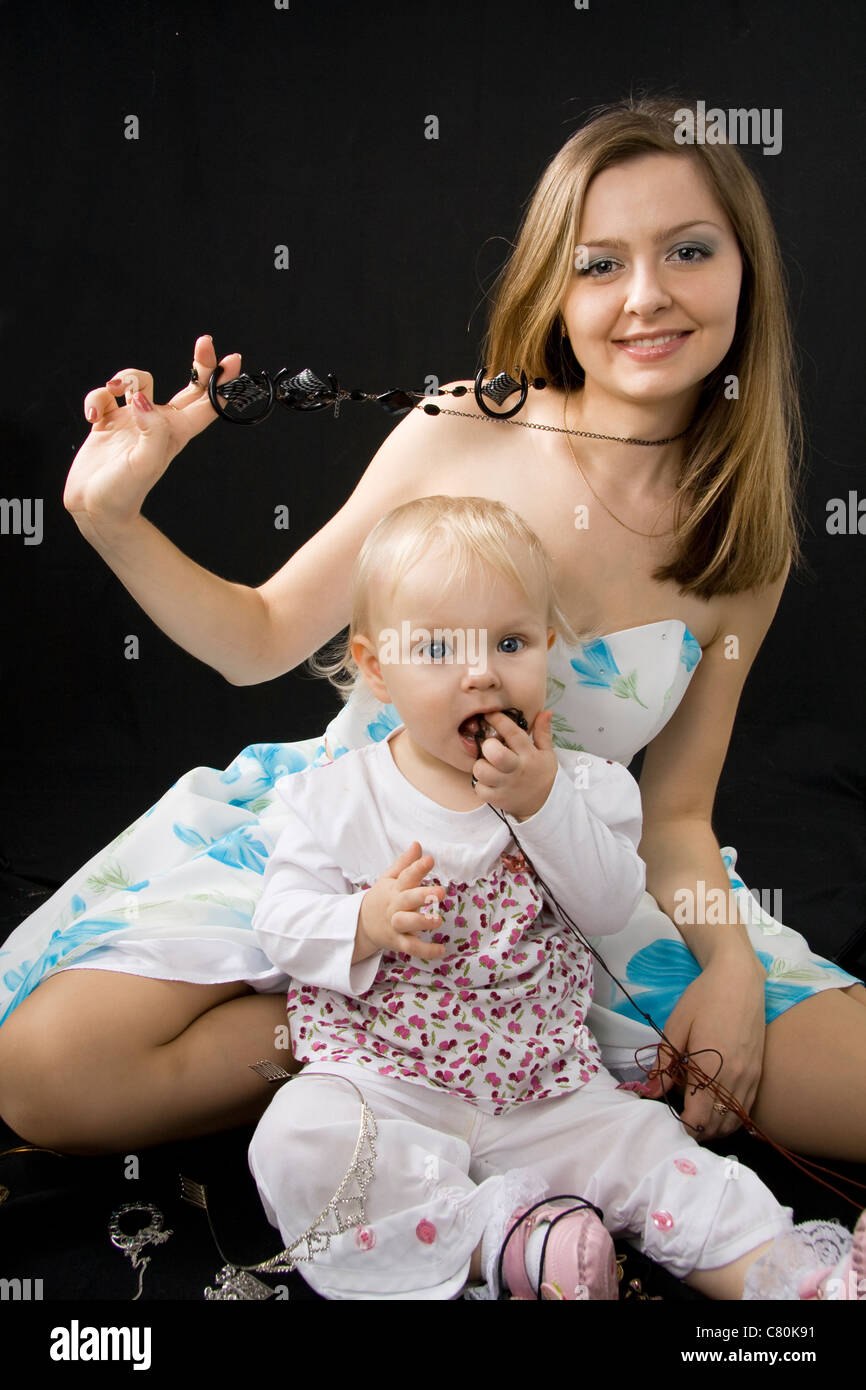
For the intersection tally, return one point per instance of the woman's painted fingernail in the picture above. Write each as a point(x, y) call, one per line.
point(91, 412)
point(115, 381)
point(141, 402)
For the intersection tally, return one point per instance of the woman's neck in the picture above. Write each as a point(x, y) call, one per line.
point(633, 471)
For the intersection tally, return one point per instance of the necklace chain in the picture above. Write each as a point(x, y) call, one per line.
point(650, 535)
point(585, 434)
point(555, 429)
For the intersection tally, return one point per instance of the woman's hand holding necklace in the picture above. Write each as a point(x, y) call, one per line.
point(721, 1011)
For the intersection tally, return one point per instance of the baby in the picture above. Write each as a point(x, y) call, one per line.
point(412, 897)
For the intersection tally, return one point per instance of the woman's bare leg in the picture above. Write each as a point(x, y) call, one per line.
point(857, 992)
point(96, 1061)
point(812, 1098)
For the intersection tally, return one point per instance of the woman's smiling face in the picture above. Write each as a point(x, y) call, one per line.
point(655, 255)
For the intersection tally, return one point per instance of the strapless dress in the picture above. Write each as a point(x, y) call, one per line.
point(173, 895)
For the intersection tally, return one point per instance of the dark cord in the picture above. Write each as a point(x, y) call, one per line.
point(681, 1062)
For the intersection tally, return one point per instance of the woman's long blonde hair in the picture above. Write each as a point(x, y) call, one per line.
point(474, 534)
point(738, 510)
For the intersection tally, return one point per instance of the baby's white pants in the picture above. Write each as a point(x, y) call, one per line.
point(445, 1170)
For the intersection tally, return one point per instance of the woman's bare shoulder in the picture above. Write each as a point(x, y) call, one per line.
point(459, 395)
point(440, 432)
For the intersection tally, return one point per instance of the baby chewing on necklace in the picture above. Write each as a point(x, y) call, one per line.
point(478, 728)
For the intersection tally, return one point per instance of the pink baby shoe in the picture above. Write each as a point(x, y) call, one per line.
point(578, 1260)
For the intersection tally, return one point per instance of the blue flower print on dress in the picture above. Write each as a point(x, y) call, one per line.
point(664, 969)
point(275, 760)
point(381, 726)
point(690, 651)
point(597, 666)
point(238, 849)
point(61, 942)
point(729, 859)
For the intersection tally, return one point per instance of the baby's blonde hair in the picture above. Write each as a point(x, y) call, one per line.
point(471, 531)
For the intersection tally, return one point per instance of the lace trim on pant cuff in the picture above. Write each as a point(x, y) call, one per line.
point(778, 1274)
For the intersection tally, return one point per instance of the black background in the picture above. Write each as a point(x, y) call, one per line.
point(305, 127)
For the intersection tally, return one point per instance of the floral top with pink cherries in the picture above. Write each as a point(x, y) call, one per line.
point(499, 1019)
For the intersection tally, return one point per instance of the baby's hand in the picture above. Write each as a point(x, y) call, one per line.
point(516, 773)
point(390, 917)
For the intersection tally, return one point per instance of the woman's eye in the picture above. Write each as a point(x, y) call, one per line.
point(693, 253)
point(512, 648)
point(603, 265)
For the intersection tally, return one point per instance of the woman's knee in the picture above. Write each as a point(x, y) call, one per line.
point(68, 1051)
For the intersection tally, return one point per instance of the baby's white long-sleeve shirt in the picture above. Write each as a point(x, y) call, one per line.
point(511, 964)
point(352, 818)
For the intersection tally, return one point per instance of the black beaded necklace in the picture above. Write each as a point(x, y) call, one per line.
point(251, 397)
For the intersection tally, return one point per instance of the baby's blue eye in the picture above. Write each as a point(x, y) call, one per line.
point(433, 651)
point(503, 647)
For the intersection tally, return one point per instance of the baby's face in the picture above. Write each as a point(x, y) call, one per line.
point(447, 655)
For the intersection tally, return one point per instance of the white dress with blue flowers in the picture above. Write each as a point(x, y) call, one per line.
point(173, 896)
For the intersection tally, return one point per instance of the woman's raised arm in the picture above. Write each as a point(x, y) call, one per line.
point(247, 634)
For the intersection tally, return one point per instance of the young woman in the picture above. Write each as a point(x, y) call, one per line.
point(658, 471)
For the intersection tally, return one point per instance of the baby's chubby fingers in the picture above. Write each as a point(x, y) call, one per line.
point(405, 860)
point(428, 896)
point(510, 735)
point(409, 921)
point(406, 926)
point(499, 755)
point(411, 874)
